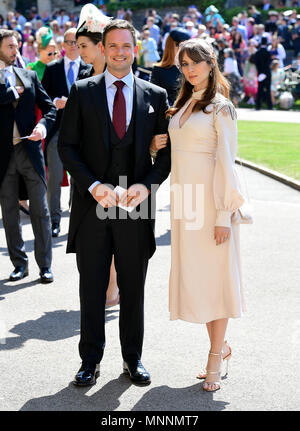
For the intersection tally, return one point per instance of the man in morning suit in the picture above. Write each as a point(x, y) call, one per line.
point(107, 127)
point(57, 81)
point(20, 90)
point(262, 60)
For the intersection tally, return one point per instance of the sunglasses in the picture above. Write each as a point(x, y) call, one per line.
point(71, 42)
point(51, 53)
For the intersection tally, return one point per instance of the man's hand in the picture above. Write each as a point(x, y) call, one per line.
point(105, 196)
point(158, 142)
point(60, 103)
point(19, 89)
point(221, 234)
point(136, 194)
point(36, 134)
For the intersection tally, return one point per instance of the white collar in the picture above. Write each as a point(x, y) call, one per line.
point(110, 79)
point(9, 69)
point(68, 60)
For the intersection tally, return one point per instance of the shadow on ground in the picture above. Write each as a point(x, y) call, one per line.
point(161, 398)
point(164, 239)
point(52, 326)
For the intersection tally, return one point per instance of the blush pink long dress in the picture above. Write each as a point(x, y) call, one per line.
point(205, 279)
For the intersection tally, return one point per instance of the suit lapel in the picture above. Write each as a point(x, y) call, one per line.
point(22, 75)
point(142, 108)
point(97, 93)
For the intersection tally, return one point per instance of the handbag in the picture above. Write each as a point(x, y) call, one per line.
point(243, 215)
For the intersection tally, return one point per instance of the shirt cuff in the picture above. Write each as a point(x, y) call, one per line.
point(91, 188)
point(223, 218)
point(17, 95)
point(43, 130)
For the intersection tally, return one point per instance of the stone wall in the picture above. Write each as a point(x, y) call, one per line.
point(6, 5)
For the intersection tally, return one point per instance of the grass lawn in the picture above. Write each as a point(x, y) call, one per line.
point(274, 145)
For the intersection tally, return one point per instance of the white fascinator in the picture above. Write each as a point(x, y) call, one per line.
point(92, 19)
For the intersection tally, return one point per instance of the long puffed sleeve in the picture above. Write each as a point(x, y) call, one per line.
point(227, 194)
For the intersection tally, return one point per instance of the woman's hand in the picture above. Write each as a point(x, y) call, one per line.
point(221, 234)
point(158, 142)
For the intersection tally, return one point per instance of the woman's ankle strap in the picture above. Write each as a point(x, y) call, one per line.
point(215, 354)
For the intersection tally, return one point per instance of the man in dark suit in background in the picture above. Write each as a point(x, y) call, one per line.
point(262, 60)
point(57, 81)
point(20, 90)
point(107, 127)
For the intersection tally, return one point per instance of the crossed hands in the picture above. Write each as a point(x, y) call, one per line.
point(133, 196)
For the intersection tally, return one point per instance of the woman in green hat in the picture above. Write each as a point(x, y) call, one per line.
point(46, 49)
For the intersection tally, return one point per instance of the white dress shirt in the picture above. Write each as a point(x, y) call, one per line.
point(111, 90)
point(11, 77)
point(76, 66)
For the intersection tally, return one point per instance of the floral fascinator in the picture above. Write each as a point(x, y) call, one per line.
point(92, 19)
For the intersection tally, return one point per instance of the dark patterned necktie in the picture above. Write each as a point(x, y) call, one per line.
point(119, 110)
point(19, 64)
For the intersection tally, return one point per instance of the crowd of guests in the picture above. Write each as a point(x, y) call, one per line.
point(237, 44)
point(251, 55)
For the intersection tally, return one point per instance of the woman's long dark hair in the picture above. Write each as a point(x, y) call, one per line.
point(199, 50)
point(169, 54)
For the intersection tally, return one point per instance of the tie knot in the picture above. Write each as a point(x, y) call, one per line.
point(71, 63)
point(119, 84)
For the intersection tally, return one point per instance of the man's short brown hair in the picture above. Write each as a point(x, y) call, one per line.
point(6, 33)
point(119, 24)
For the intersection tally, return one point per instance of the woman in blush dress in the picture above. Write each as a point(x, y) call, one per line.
point(205, 278)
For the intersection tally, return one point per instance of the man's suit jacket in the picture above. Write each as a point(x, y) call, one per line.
point(84, 145)
point(55, 84)
point(24, 115)
point(262, 59)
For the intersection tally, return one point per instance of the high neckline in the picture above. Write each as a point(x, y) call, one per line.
point(198, 94)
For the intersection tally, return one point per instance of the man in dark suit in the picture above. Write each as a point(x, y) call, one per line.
point(107, 127)
point(262, 60)
point(20, 90)
point(271, 25)
point(57, 81)
point(252, 11)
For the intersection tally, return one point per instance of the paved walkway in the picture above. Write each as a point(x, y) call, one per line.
point(41, 322)
point(250, 114)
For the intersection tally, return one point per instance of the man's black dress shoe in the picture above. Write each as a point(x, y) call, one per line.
point(55, 230)
point(87, 374)
point(18, 273)
point(137, 372)
point(46, 275)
